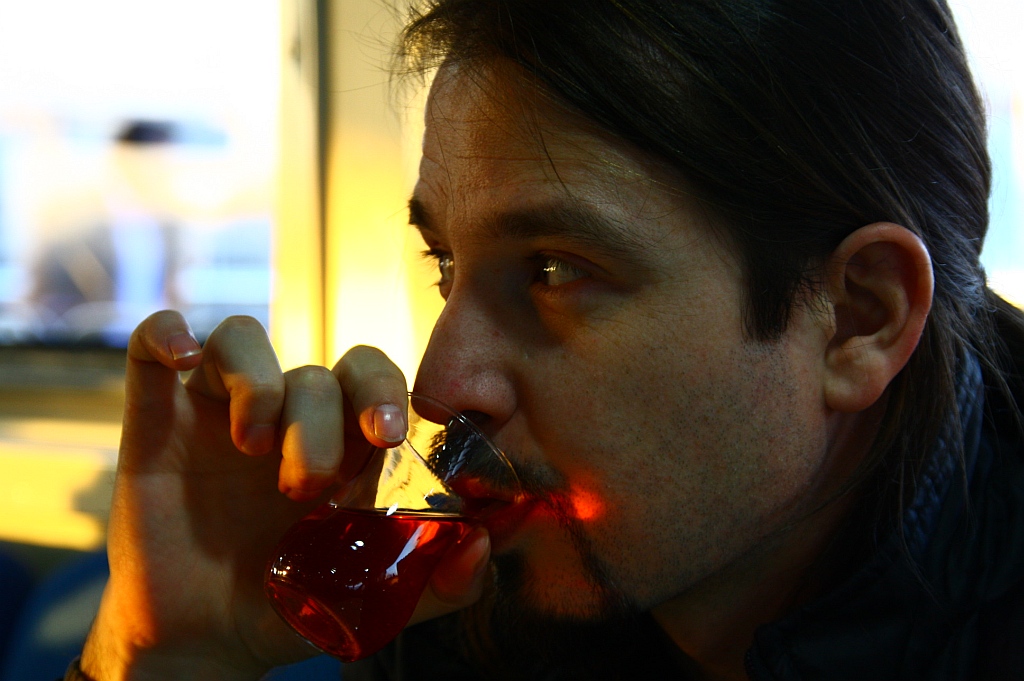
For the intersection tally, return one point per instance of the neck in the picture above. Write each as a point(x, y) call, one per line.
point(714, 621)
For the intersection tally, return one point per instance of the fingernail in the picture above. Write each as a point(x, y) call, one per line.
point(389, 423)
point(182, 345)
point(259, 439)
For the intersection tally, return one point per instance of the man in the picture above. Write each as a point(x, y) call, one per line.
point(711, 280)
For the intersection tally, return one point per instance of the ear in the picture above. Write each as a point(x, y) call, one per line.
point(880, 283)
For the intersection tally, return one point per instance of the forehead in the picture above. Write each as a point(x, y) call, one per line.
point(496, 141)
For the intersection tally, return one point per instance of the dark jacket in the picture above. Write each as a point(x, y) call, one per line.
point(957, 610)
point(949, 604)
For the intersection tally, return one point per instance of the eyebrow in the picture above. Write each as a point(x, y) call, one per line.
point(574, 222)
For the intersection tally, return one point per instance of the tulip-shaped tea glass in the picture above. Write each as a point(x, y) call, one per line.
point(347, 577)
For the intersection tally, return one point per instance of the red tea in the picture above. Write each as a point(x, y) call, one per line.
point(348, 580)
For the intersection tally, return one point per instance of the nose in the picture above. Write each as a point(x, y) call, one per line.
point(467, 363)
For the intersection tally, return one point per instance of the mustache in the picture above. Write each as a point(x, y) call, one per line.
point(458, 453)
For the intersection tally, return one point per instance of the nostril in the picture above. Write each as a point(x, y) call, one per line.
point(477, 418)
point(486, 423)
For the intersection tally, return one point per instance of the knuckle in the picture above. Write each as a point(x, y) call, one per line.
point(313, 379)
point(161, 317)
point(366, 367)
point(235, 328)
point(313, 476)
point(160, 324)
point(361, 357)
point(312, 472)
point(244, 321)
point(379, 383)
point(260, 389)
point(366, 352)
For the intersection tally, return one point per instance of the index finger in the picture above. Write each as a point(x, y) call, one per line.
point(377, 392)
point(239, 366)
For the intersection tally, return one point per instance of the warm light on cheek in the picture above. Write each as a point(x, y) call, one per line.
point(586, 504)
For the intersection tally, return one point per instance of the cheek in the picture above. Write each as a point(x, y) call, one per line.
point(679, 455)
point(588, 504)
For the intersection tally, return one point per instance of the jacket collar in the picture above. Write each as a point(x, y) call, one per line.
point(897, 616)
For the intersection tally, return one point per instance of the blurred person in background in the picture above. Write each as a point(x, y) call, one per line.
point(98, 280)
point(712, 283)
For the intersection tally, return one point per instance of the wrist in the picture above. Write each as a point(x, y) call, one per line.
point(109, 655)
point(153, 667)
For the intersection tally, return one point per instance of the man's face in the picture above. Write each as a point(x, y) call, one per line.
point(594, 323)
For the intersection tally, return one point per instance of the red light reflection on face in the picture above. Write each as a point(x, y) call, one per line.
point(587, 505)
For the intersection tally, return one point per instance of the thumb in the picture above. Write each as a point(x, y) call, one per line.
point(459, 578)
point(160, 347)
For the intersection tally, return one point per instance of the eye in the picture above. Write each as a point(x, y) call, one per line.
point(556, 272)
point(445, 269)
point(445, 266)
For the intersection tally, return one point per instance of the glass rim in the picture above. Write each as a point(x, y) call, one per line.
point(462, 419)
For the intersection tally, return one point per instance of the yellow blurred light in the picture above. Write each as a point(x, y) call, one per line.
point(296, 306)
point(54, 496)
point(374, 290)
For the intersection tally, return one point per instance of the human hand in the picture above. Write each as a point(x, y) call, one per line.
point(211, 473)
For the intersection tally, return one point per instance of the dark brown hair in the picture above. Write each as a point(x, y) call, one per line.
point(797, 121)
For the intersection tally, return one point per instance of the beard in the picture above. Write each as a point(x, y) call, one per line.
point(510, 635)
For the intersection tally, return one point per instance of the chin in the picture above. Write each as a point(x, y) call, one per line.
point(554, 593)
point(533, 625)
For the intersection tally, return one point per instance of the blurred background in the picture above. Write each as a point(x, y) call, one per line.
point(137, 158)
point(138, 152)
point(231, 157)
point(217, 157)
point(213, 156)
